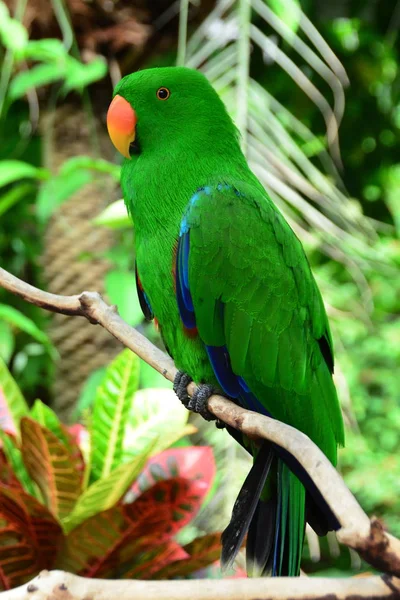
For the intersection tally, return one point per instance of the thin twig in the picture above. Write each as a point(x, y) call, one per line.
point(369, 538)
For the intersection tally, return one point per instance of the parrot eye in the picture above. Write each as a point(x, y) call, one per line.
point(163, 93)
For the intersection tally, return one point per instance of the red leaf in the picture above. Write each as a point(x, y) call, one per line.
point(202, 552)
point(75, 437)
point(119, 540)
point(29, 537)
point(52, 465)
point(194, 462)
point(153, 557)
point(107, 545)
point(7, 475)
point(166, 507)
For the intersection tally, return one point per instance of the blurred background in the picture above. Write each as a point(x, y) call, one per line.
point(314, 88)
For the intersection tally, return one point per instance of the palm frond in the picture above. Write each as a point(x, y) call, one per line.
point(299, 170)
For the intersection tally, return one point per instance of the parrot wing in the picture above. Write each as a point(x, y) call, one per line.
point(243, 280)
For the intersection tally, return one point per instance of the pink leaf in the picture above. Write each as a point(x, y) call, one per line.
point(194, 463)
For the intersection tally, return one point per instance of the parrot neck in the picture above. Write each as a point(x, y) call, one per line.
point(157, 186)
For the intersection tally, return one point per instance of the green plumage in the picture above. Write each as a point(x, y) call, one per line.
point(243, 257)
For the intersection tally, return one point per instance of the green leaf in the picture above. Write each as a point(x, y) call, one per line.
point(121, 290)
point(115, 216)
point(58, 189)
point(105, 493)
point(14, 317)
point(14, 170)
point(14, 457)
point(46, 50)
point(94, 164)
point(11, 394)
point(88, 393)
point(46, 417)
point(111, 409)
point(289, 12)
point(157, 416)
point(14, 195)
point(35, 77)
point(13, 34)
point(52, 465)
point(79, 75)
point(7, 341)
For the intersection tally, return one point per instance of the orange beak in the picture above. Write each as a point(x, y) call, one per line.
point(121, 123)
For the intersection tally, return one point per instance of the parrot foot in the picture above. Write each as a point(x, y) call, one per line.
point(198, 402)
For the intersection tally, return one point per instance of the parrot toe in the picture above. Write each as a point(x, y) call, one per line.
point(181, 382)
point(198, 402)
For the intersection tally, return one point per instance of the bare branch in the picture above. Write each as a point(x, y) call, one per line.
point(58, 585)
point(369, 538)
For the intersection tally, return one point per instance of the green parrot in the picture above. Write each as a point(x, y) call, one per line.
point(237, 306)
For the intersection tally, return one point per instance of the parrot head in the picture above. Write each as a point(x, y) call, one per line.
point(164, 107)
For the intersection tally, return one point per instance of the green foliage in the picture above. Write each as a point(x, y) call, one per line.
point(360, 287)
point(12, 403)
point(114, 216)
point(51, 497)
point(54, 61)
point(111, 411)
point(28, 192)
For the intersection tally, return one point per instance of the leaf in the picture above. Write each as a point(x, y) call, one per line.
point(104, 493)
point(12, 402)
point(14, 317)
point(79, 75)
point(13, 34)
point(202, 552)
point(154, 557)
point(15, 170)
point(7, 342)
point(29, 538)
point(7, 475)
point(45, 50)
point(106, 545)
point(88, 393)
point(14, 195)
point(111, 408)
point(35, 77)
point(14, 457)
point(89, 163)
point(58, 189)
point(46, 417)
point(121, 290)
point(114, 216)
point(52, 466)
point(167, 506)
point(288, 12)
point(193, 463)
point(112, 542)
point(156, 414)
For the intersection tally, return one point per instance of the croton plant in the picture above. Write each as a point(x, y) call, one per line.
point(105, 500)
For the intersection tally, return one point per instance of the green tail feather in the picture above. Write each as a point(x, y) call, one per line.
point(290, 523)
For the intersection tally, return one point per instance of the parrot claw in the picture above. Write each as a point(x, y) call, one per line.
point(198, 402)
point(181, 382)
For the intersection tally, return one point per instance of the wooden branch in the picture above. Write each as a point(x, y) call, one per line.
point(57, 585)
point(369, 538)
